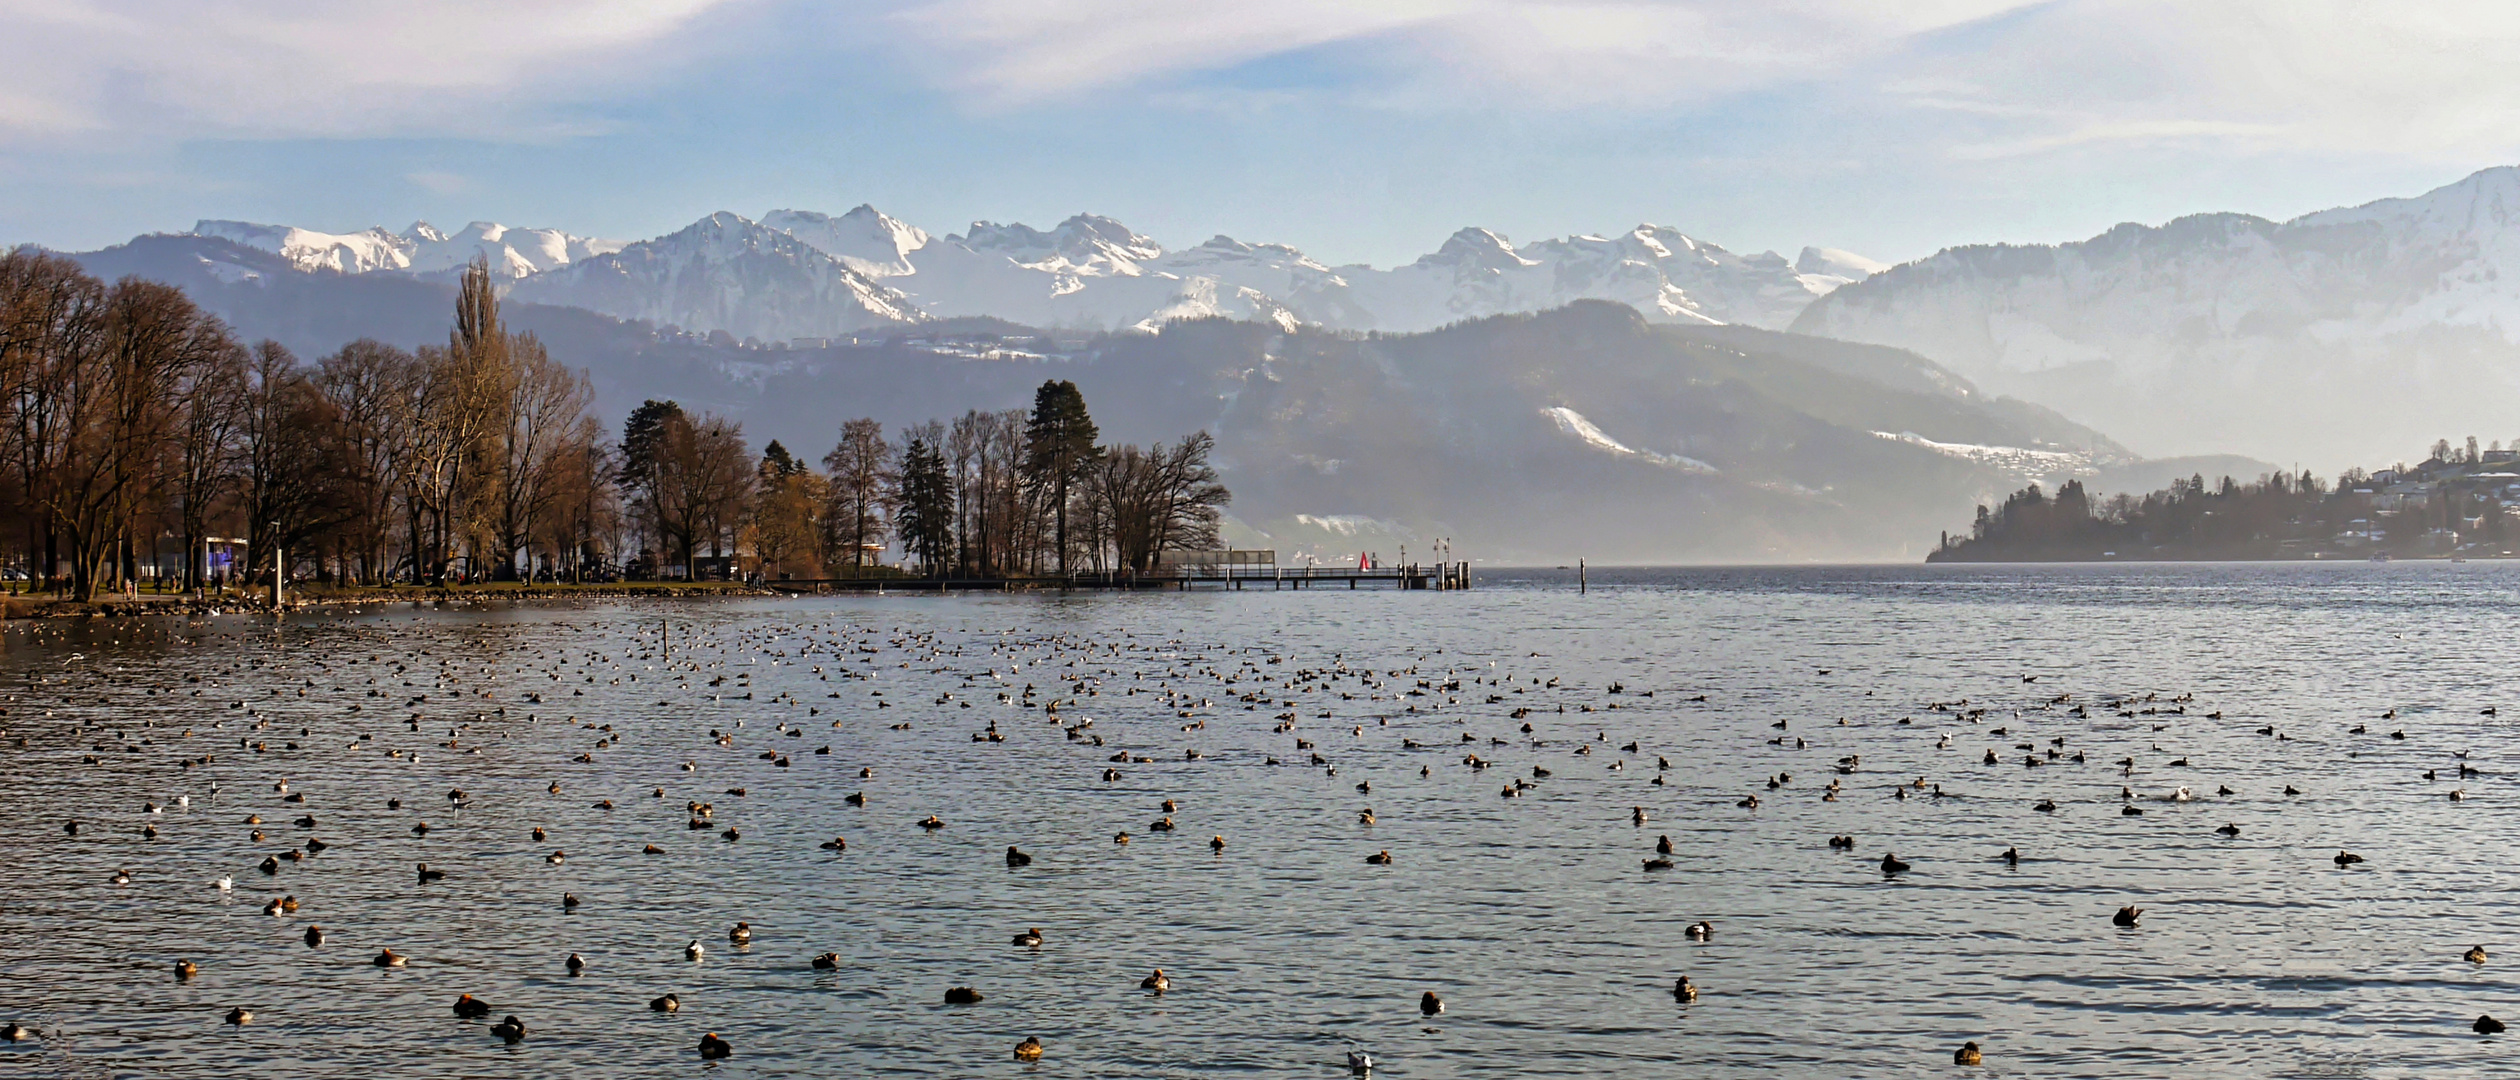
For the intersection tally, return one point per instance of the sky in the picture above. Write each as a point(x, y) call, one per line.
point(1356, 131)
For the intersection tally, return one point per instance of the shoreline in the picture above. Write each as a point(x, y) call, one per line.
point(326, 598)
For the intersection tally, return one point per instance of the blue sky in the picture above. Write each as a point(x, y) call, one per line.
point(1356, 131)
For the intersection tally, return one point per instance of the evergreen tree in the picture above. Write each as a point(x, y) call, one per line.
point(1059, 440)
point(924, 504)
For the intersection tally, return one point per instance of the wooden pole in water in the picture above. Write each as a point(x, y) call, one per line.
point(1580, 587)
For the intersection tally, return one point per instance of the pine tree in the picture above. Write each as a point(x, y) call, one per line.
point(1059, 442)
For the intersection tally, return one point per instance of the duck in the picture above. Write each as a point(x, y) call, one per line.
point(713, 1048)
point(186, 969)
point(2126, 916)
point(2045, 806)
point(269, 865)
point(568, 901)
point(1841, 843)
point(225, 883)
point(1429, 1004)
point(1028, 1050)
point(2347, 858)
point(388, 958)
point(694, 951)
point(1365, 816)
point(1684, 990)
point(511, 1029)
point(1157, 982)
point(1663, 846)
point(829, 961)
point(1637, 816)
point(427, 875)
point(962, 995)
point(2228, 830)
point(1030, 939)
point(2487, 1025)
point(1657, 863)
point(471, 1008)
point(2012, 856)
point(666, 1004)
point(1701, 930)
point(16, 1032)
point(1215, 844)
point(932, 823)
point(1360, 1062)
point(1968, 1054)
point(239, 1016)
point(576, 965)
point(2476, 955)
point(1016, 857)
point(1379, 858)
point(314, 937)
point(740, 934)
point(1890, 864)
point(835, 844)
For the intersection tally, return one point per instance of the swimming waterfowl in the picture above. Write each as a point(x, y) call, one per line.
point(666, 1004)
point(962, 995)
point(1658, 863)
point(741, 934)
point(1016, 857)
point(16, 1032)
point(2012, 856)
point(427, 875)
point(314, 936)
point(1216, 844)
point(1028, 1050)
point(1156, 982)
point(1359, 1062)
point(511, 1029)
point(2126, 916)
point(387, 958)
point(2487, 1025)
point(568, 901)
point(1379, 858)
point(1030, 939)
point(1662, 846)
point(1684, 990)
point(2045, 806)
point(1365, 816)
point(1701, 930)
point(471, 1008)
point(2228, 830)
point(932, 823)
point(1429, 1004)
point(827, 962)
point(835, 844)
point(1968, 1054)
point(1891, 864)
point(576, 965)
point(239, 1016)
point(186, 969)
point(2347, 858)
point(2476, 955)
point(694, 951)
point(712, 1047)
point(1841, 843)
point(1637, 816)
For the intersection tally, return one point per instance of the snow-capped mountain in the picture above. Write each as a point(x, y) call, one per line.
point(1093, 272)
point(421, 248)
point(727, 273)
point(2356, 334)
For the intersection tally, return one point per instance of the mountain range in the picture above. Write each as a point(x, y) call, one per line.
point(800, 274)
point(2354, 335)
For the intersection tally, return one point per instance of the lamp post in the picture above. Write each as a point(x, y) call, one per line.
point(279, 570)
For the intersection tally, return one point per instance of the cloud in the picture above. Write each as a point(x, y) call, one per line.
point(289, 69)
point(439, 182)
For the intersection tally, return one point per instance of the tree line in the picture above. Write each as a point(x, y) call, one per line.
point(2450, 503)
point(141, 440)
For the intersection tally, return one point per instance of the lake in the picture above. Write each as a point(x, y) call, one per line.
point(1533, 916)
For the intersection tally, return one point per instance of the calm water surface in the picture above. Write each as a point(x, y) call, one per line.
point(1532, 916)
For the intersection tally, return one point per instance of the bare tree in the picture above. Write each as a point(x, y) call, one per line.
point(861, 471)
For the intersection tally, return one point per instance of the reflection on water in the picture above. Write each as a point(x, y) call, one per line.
point(1532, 916)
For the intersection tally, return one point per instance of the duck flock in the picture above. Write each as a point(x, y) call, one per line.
point(1282, 836)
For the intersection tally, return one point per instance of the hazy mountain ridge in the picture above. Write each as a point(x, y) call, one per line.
point(2361, 333)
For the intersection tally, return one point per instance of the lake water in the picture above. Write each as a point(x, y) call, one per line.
point(1533, 917)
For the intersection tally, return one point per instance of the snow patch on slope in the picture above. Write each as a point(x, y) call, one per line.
point(2019, 461)
point(1575, 424)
